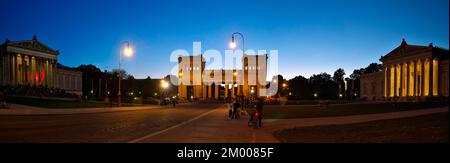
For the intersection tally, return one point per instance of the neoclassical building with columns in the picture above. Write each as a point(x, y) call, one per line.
point(411, 72)
point(30, 62)
point(196, 82)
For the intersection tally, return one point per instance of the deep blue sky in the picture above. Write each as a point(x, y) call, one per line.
point(311, 36)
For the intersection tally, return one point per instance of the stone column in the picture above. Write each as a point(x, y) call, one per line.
point(240, 93)
point(209, 90)
point(203, 91)
point(50, 74)
point(387, 81)
point(416, 77)
point(233, 95)
point(431, 77)
point(13, 69)
point(47, 74)
point(39, 71)
point(395, 80)
point(402, 83)
point(408, 73)
point(18, 70)
point(226, 91)
point(216, 91)
point(422, 85)
point(54, 71)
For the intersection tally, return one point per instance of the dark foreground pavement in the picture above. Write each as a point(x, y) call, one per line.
point(96, 127)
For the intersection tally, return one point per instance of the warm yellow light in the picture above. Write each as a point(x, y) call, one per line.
point(235, 73)
point(284, 85)
point(232, 44)
point(128, 52)
point(164, 84)
point(180, 74)
point(274, 81)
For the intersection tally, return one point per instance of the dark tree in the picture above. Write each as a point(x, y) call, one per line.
point(91, 80)
point(300, 89)
point(373, 67)
point(339, 75)
point(324, 86)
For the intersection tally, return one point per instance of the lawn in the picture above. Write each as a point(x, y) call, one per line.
point(53, 103)
point(313, 111)
point(423, 129)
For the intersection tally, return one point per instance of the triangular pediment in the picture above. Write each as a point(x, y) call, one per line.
point(33, 45)
point(404, 51)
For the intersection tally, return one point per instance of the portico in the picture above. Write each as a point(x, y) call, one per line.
point(411, 72)
point(27, 63)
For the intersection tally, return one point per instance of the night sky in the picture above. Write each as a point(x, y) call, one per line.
point(311, 36)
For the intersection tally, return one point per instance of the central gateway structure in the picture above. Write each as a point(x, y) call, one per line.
point(195, 82)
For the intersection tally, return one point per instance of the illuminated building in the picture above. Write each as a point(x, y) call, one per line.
point(32, 63)
point(411, 72)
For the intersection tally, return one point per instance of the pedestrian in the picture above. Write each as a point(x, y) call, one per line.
point(174, 102)
point(259, 109)
point(236, 106)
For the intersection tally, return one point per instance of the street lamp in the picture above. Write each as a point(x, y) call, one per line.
point(128, 52)
point(233, 45)
point(233, 41)
point(164, 84)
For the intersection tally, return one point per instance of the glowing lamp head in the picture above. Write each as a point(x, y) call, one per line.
point(232, 43)
point(128, 51)
point(164, 84)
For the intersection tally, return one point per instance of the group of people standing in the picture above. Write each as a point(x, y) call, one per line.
point(238, 108)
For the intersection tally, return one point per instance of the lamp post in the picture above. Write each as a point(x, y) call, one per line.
point(128, 52)
point(233, 46)
point(164, 86)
